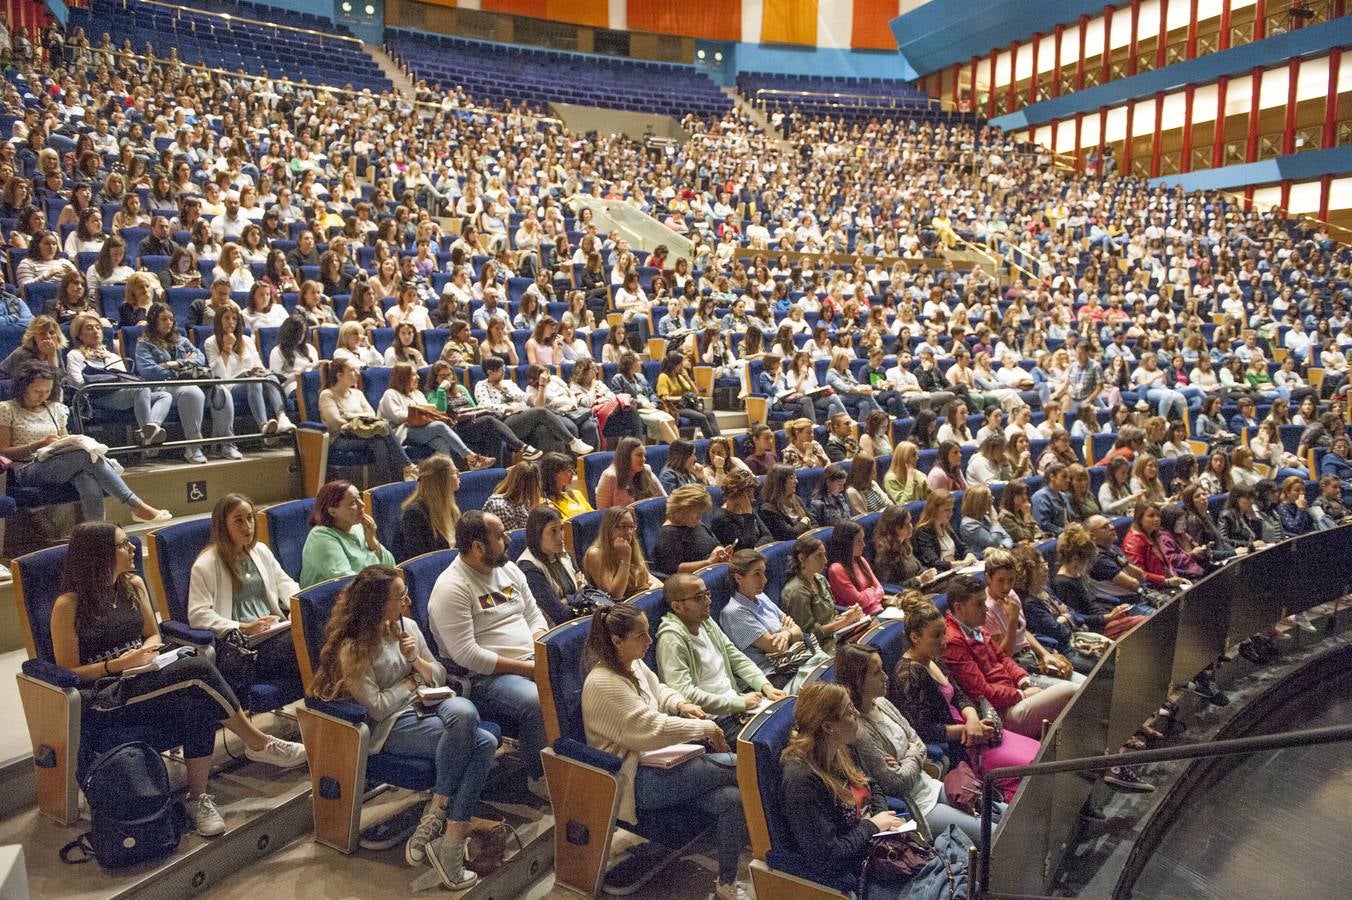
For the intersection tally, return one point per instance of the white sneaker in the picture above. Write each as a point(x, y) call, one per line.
point(448, 861)
point(539, 787)
point(230, 451)
point(735, 891)
point(580, 448)
point(530, 454)
point(284, 425)
point(206, 818)
point(152, 434)
point(194, 455)
point(431, 826)
point(269, 430)
point(279, 753)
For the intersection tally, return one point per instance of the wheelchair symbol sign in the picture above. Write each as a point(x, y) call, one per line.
point(197, 491)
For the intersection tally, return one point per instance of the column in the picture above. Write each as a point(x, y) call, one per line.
point(1032, 82)
point(1185, 154)
point(990, 94)
point(1056, 67)
point(1289, 125)
point(1224, 42)
point(971, 84)
point(1127, 145)
point(1191, 51)
point(1132, 47)
point(1157, 140)
point(1013, 70)
point(1162, 43)
point(1251, 141)
point(1218, 146)
point(1079, 62)
point(1325, 187)
point(1104, 67)
point(1260, 20)
point(1331, 100)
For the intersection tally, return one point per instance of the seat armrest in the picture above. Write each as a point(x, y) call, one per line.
point(314, 426)
point(347, 710)
point(51, 673)
point(580, 752)
point(186, 634)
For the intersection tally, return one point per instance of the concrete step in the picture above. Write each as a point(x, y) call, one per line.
point(393, 71)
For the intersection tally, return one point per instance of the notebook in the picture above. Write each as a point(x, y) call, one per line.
point(670, 757)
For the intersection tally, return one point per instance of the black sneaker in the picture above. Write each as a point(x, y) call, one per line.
point(1127, 780)
point(1265, 646)
point(1249, 650)
point(1206, 687)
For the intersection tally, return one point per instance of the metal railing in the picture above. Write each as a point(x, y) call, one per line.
point(1307, 737)
point(834, 99)
point(83, 392)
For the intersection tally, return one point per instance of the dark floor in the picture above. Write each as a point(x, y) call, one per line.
point(1276, 826)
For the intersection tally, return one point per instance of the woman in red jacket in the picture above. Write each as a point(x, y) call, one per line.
point(852, 580)
point(1142, 547)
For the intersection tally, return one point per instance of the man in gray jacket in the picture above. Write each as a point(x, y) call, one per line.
point(696, 658)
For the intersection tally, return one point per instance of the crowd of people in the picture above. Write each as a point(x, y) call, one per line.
point(1153, 315)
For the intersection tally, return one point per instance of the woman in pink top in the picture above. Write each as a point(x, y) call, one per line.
point(629, 478)
point(852, 580)
point(947, 471)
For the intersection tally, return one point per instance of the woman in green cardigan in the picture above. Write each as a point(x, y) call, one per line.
point(342, 539)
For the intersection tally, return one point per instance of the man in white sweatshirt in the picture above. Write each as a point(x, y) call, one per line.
point(485, 620)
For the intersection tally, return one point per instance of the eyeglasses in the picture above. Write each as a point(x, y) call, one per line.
point(126, 544)
point(702, 595)
point(626, 528)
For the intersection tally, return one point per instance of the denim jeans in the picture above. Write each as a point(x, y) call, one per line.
point(91, 479)
point(513, 700)
point(387, 455)
point(1165, 399)
point(147, 405)
point(263, 404)
point(439, 437)
point(708, 783)
point(191, 404)
point(463, 751)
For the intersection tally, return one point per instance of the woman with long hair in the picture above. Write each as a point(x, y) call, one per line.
point(1116, 494)
point(861, 487)
point(947, 471)
point(404, 347)
point(427, 518)
point(232, 354)
point(888, 749)
point(904, 482)
point(342, 538)
point(1141, 544)
point(90, 362)
point(1075, 556)
point(937, 545)
point(103, 625)
point(828, 503)
point(980, 527)
point(163, 354)
point(676, 385)
point(941, 713)
point(627, 711)
point(377, 656)
point(615, 562)
point(848, 572)
point(549, 569)
point(353, 425)
point(403, 403)
point(628, 478)
point(1145, 479)
point(780, 507)
point(516, 495)
point(557, 472)
point(831, 808)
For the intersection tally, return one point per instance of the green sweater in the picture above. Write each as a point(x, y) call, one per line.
point(330, 553)
point(678, 663)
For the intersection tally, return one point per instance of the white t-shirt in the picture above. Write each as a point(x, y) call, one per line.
point(29, 425)
point(713, 668)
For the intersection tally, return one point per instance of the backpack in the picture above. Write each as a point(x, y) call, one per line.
point(135, 817)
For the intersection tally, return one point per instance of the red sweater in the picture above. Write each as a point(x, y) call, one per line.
point(868, 598)
point(981, 668)
point(1143, 555)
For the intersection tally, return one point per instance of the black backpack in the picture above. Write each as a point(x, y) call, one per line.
point(135, 817)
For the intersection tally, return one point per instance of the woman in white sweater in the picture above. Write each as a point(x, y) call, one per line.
point(236, 582)
point(627, 711)
point(353, 425)
point(377, 656)
point(232, 354)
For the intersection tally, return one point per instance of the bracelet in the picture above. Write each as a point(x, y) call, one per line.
point(106, 670)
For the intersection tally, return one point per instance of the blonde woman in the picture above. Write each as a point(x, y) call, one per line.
point(903, 482)
point(232, 268)
point(615, 562)
point(803, 451)
point(354, 346)
point(516, 495)
point(427, 518)
point(1145, 479)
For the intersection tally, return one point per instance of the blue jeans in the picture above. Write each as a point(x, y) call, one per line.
point(439, 437)
point(147, 405)
point(828, 406)
point(1166, 399)
point(463, 751)
point(387, 455)
point(191, 404)
point(708, 783)
point(263, 405)
point(91, 479)
point(513, 700)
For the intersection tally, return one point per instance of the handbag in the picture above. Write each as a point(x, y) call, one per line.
point(988, 713)
point(963, 788)
point(486, 844)
point(1089, 643)
point(895, 858)
point(366, 427)
point(690, 400)
point(588, 600)
point(237, 661)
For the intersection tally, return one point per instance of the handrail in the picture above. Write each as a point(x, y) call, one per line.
point(231, 17)
point(893, 102)
point(1329, 734)
point(85, 389)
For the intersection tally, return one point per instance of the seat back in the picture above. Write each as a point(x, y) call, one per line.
point(593, 464)
point(717, 580)
point(759, 774)
point(477, 486)
point(776, 566)
point(310, 611)
point(384, 505)
point(171, 552)
point(581, 531)
point(890, 639)
point(650, 514)
point(37, 584)
point(559, 652)
point(420, 574)
point(284, 527)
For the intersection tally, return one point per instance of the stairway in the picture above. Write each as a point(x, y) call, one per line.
point(393, 71)
point(750, 110)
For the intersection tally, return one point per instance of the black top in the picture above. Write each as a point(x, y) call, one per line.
point(1079, 596)
point(114, 633)
point(831, 836)
point(678, 544)
point(130, 314)
point(414, 536)
point(781, 527)
point(546, 594)
point(925, 541)
point(918, 697)
point(900, 568)
point(745, 531)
